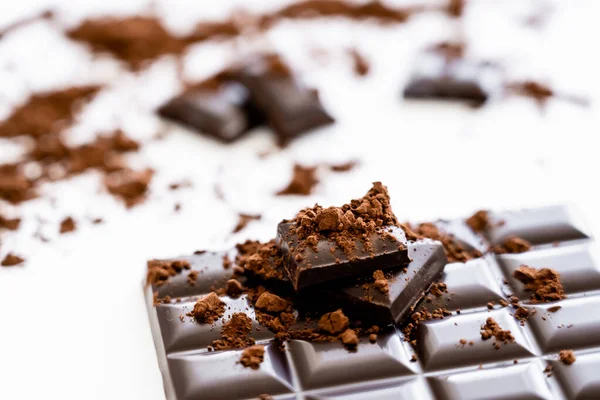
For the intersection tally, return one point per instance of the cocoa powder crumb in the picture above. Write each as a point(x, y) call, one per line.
point(554, 309)
point(234, 333)
point(334, 322)
point(271, 302)
point(208, 309)
point(512, 245)
point(12, 260)
point(492, 329)
point(359, 62)
point(244, 220)
point(261, 259)
point(454, 250)
point(438, 289)
point(11, 224)
point(567, 357)
point(302, 183)
point(344, 167)
point(67, 225)
point(253, 356)
point(544, 283)
point(381, 283)
point(373, 338)
point(541, 93)
point(131, 186)
point(192, 277)
point(159, 271)
point(479, 221)
point(455, 8)
point(350, 339)
point(234, 288)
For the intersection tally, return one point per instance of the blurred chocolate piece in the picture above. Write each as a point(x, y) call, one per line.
point(221, 109)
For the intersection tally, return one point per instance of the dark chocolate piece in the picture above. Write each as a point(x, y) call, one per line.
point(290, 108)
point(223, 110)
point(406, 286)
point(444, 73)
point(329, 261)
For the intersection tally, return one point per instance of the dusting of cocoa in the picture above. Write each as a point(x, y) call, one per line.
point(67, 225)
point(479, 221)
point(454, 250)
point(234, 288)
point(208, 309)
point(261, 259)
point(244, 220)
point(253, 356)
point(11, 224)
point(492, 329)
point(11, 260)
point(271, 302)
point(544, 283)
point(302, 183)
point(235, 333)
point(192, 278)
point(410, 329)
point(438, 289)
point(381, 282)
point(359, 62)
point(129, 185)
point(512, 245)
point(567, 357)
point(539, 92)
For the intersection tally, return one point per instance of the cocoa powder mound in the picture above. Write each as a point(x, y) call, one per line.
point(261, 259)
point(235, 333)
point(15, 187)
point(12, 260)
point(302, 183)
point(454, 250)
point(234, 288)
point(348, 224)
point(381, 282)
point(349, 339)
point(208, 309)
point(46, 113)
point(129, 185)
point(253, 356)
point(567, 357)
point(244, 220)
point(456, 8)
point(410, 329)
point(192, 278)
point(270, 302)
point(438, 289)
point(11, 224)
point(492, 329)
point(67, 225)
point(512, 245)
point(544, 283)
point(159, 271)
point(479, 221)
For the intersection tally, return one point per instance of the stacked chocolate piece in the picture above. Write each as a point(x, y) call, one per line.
point(261, 91)
point(266, 320)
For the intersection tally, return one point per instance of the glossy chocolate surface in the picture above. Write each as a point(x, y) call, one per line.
point(326, 265)
point(445, 369)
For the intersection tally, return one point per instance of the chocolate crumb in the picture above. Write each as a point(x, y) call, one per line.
point(159, 271)
point(67, 225)
point(544, 283)
point(192, 277)
point(479, 221)
point(334, 322)
point(271, 302)
point(380, 282)
point(567, 357)
point(12, 260)
point(244, 220)
point(359, 62)
point(253, 356)
point(438, 289)
point(491, 329)
point(302, 183)
point(208, 309)
point(503, 303)
point(512, 245)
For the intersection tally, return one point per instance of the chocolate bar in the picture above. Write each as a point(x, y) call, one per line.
point(444, 73)
point(222, 110)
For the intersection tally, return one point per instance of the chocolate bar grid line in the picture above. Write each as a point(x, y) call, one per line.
point(433, 375)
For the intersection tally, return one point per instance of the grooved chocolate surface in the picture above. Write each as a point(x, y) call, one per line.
point(445, 368)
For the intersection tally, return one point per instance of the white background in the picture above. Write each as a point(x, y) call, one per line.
point(72, 320)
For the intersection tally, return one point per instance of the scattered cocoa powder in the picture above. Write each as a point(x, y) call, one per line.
point(373, 338)
point(302, 183)
point(159, 271)
point(192, 277)
point(253, 356)
point(567, 357)
point(67, 225)
point(454, 250)
point(208, 309)
point(491, 329)
point(479, 221)
point(244, 220)
point(512, 245)
point(271, 302)
point(438, 289)
point(350, 339)
point(456, 8)
point(334, 322)
point(343, 167)
point(538, 91)
point(261, 259)
point(11, 224)
point(234, 288)
point(12, 260)
point(450, 51)
point(410, 329)
point(544, 283)
point(235, 333)
point(360, 64)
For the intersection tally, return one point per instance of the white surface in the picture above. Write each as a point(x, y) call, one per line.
point(73, 324)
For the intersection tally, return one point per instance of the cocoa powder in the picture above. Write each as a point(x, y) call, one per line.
point(544, 283)
point(235, 333)
point(479, 221)
point(253, 356)
point(302, 183)
point(11, 260)
point(567, 357)
point(492, 329)
point(67, 225)
point(208, 309)
point(159, 271)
